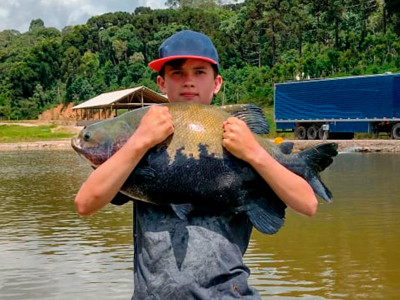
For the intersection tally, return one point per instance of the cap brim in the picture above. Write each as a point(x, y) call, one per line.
point(157, 64)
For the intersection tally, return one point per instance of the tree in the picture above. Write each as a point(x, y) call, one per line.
point(36, 24)
point(44, 59)
point(26, 109)
point(22, 79)
point(89, 64)
point(141, 10)
point(40, 97)
point(78, 89)
point(274, 24)
point(318, 10)
point(8, 37)
point(120, 50)
point(5, 106)
point(78, 37)
point(299, 21)
point(204, 4)
point(71, 62)
point(392, 7)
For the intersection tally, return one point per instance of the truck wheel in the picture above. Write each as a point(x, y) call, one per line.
point(312, 132)
point(300, 132)
point(396, 131)
point(322, 134)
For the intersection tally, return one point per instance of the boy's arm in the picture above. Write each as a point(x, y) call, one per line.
point(104, 183)
point(290, 188)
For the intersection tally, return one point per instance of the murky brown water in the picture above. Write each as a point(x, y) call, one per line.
point(348, 251)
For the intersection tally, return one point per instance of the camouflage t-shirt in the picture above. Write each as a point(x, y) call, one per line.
point(199, 258)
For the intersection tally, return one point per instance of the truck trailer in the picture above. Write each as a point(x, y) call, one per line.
point(339, 107)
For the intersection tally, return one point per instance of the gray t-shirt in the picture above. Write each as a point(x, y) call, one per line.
point(199, 258)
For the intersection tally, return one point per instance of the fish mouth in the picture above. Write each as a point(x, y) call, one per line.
point(77, 146)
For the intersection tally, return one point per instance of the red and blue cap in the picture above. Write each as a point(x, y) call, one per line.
point(186, 44)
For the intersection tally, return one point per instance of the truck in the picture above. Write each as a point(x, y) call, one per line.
point(337, 108)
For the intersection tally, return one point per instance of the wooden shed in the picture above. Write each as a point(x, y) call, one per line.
point(106, 105)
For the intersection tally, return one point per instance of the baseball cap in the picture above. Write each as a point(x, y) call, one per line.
point(186, 44)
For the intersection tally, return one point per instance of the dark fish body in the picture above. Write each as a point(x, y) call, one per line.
point(192, 171)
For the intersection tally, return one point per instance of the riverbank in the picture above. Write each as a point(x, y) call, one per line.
point(379, 145)
point(382, 146)
point(64, 144)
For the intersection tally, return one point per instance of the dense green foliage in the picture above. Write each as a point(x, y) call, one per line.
point(260, 42)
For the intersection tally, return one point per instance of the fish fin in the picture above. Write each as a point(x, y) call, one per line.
point(320, 188)
point(286, 147)
point(182, 210)
point(120, 199)
point(146, 172)
point(318, 158)
point(267, 216)
point(252, 114)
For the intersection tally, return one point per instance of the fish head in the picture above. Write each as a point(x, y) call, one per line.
point(98, 142)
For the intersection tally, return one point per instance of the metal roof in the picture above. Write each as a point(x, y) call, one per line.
point(123, 98)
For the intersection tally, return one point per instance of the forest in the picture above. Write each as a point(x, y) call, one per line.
point(260, 43)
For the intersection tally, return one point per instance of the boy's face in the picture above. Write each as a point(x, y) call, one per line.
point(192, 82)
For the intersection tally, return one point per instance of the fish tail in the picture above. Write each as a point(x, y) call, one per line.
point(317, 159)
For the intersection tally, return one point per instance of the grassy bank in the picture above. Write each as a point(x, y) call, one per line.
point(269, 115)
point(17, 133)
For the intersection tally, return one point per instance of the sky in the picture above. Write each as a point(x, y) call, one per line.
point(17, 14)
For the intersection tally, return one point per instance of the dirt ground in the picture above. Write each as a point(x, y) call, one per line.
point(379, 145)
point(60, 112)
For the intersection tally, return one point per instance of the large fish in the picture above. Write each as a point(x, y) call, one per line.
point(191, 170)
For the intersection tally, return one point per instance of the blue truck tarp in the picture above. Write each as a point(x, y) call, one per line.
point(348, 103)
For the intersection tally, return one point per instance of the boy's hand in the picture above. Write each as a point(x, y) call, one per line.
point(239, 140)
point(155, 126)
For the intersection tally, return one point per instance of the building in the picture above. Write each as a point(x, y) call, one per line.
point(108, 105)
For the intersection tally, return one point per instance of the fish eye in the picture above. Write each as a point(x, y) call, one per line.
point(87, 136)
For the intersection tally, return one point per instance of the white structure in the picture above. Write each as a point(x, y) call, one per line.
point(106, 105)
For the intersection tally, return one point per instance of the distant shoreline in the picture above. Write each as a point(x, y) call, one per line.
point(38, 145)
point(376, 146)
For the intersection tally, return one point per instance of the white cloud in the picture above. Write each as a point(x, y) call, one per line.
point(4, 13)
point(17, 14)
point(155, 4)
point(85, 12)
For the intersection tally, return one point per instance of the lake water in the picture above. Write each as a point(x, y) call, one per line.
point(349, 250)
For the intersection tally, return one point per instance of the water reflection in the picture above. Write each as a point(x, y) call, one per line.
point(347, 251)
point(47, 251)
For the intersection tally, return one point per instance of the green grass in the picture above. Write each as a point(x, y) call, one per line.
point(371, 136)
point(269, 115)
point(17, 133)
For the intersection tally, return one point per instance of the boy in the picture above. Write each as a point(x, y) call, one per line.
point(200, 258)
